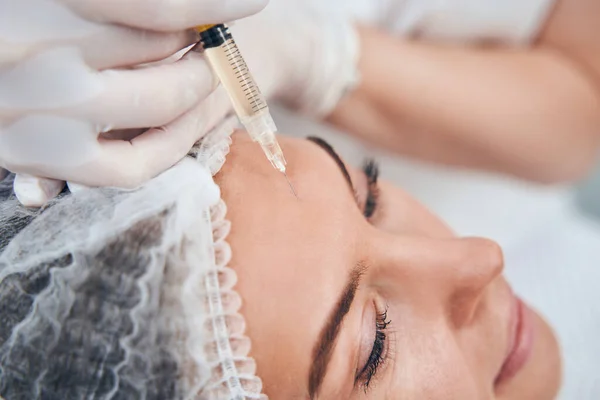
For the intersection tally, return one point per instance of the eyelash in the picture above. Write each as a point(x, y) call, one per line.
point(377, 357)
point(371, 170)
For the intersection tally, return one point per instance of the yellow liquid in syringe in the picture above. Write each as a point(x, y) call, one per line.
point(248, 102)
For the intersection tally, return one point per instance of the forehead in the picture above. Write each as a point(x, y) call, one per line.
point(264, 211)
point(256, 193)
point(297, 251)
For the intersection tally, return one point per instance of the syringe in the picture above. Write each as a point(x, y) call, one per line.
point(248, 102)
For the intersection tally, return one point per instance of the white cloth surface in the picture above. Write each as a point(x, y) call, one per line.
point(557, 270)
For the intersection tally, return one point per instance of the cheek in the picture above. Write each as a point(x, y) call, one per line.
point(429, 365)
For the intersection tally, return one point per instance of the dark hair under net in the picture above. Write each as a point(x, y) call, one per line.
point(76, 358)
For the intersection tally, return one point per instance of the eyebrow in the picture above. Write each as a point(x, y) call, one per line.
point(323, 350)
point(338, 160)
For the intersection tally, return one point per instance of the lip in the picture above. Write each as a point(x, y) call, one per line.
point(522, 337)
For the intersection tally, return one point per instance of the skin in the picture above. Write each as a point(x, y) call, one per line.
point(447, 301)
point(532, 112)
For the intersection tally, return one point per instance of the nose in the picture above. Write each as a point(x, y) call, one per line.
point(481, 261)
point(449, 274)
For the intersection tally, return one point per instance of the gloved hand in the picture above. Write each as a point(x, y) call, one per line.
point(72, 79)
point(300, 52)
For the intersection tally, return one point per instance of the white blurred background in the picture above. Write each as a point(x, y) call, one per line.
point(588, 196)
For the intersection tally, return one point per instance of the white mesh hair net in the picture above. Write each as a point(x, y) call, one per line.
point(112, 294)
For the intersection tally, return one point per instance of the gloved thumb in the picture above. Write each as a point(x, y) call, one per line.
point(32, 191)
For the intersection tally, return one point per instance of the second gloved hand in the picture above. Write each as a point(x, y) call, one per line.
point(300, 53)
point(75, 76)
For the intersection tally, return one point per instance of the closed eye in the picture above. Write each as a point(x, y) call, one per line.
point(378, 353)
point(371, 170)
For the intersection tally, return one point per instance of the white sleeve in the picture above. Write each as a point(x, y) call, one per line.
point(512, 22)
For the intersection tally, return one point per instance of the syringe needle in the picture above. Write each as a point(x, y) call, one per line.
point(290, 183)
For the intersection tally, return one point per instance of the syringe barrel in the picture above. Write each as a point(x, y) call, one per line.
point(228, 64)
point(248, 102)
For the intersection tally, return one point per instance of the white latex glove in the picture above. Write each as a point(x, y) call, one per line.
point(70, 71)
point(301, 53)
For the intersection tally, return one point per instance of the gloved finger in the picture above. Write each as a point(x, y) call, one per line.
point(122, 46)
point(48, 145)
point(152, 96)
point(165, 15)
point(130, 163)
point(106, 162)
point(28, 28)
point(113, 99)
point(32, 191)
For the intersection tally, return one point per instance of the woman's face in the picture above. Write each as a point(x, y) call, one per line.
point(392, 305)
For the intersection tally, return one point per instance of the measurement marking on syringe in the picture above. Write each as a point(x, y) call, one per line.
point(241, 74)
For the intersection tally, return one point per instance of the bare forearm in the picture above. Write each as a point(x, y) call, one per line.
point(530, 113)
